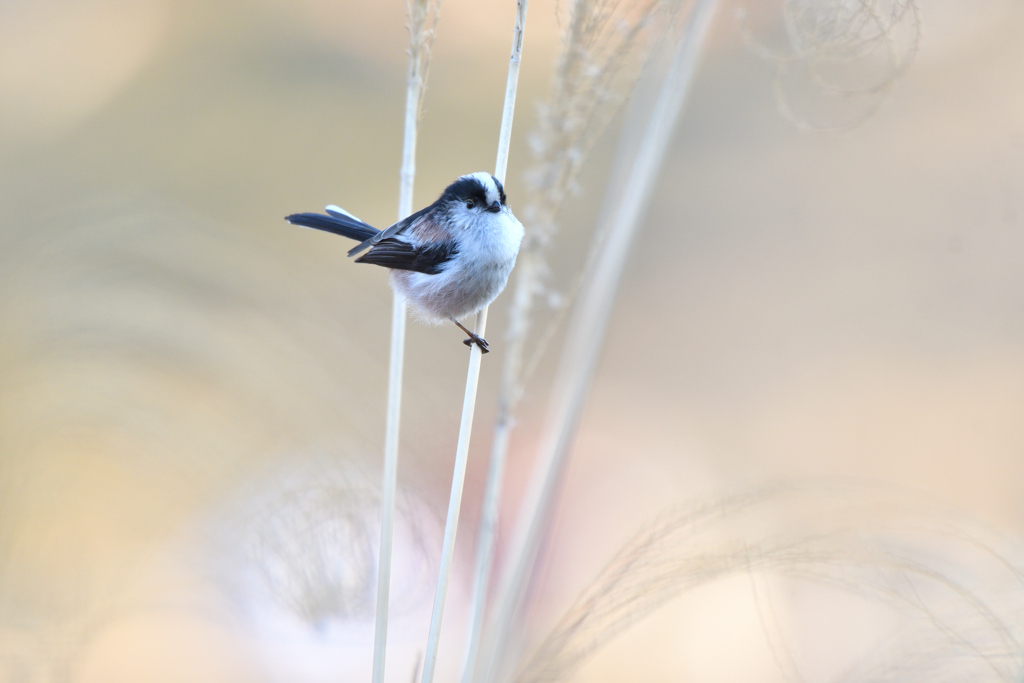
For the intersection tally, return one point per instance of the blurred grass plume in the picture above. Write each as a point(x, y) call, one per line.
point(841, 60)
point(952, 589)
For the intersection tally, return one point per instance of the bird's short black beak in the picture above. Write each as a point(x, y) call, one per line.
point(494, 208)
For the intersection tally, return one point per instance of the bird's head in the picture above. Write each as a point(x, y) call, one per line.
point(475, 193)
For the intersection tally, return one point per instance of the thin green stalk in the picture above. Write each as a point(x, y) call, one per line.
point(473, 375)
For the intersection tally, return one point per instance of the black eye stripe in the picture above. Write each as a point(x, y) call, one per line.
point(465, 190)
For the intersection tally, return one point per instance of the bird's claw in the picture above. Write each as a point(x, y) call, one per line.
point(479, 341)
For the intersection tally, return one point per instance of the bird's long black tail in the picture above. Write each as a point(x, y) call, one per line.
point(338, 223)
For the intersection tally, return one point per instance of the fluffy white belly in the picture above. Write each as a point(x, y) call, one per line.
point(457, 292)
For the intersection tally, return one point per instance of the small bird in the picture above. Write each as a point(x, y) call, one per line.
point(448, 260)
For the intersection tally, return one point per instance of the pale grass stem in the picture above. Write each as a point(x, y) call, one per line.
point(627, 201)
point(473, 374)
point(604, 43)
point(488, 533)
point(421, 16)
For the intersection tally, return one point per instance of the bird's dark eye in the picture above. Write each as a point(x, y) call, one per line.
point(470, 204)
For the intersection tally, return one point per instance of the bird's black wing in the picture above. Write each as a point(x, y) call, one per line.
point(390, 231)
point(393, 253)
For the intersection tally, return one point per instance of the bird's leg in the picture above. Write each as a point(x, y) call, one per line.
point(473, 338)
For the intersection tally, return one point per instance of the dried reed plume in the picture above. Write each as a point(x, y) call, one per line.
point(421, 23)
point(310, 534)
point(958, 596)
point(851, 52)
point(605, 46)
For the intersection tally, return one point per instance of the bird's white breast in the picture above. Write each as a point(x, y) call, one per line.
point(475, 276)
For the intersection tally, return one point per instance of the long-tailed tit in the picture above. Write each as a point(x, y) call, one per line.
point(448, 260)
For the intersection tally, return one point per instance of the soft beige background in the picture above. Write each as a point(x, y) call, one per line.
point(178, 366)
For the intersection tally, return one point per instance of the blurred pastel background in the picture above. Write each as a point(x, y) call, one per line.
point(192, 391)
